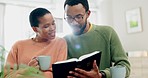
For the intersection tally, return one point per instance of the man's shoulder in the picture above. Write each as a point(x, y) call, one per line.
point(102, 28)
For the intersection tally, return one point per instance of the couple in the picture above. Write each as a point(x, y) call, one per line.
point(86, 38)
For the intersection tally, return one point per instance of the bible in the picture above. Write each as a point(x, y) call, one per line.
point(61, 69)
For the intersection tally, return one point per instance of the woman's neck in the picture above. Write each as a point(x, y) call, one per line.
point(38, 39)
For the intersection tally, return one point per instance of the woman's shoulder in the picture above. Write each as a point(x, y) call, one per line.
point(60, 39)
point(25, 41)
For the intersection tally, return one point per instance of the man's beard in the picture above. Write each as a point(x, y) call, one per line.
point(78, 30)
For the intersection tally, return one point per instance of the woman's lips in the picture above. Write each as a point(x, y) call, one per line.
point(52, 34)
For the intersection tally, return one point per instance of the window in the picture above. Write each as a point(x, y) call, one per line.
point(59, 25)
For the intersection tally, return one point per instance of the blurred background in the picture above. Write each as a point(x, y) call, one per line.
point(14, 25)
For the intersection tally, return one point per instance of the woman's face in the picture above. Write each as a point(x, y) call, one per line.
point(47, 27)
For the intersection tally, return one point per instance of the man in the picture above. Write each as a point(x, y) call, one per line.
point(88, 37)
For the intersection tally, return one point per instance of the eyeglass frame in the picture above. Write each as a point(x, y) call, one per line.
point(70, 19)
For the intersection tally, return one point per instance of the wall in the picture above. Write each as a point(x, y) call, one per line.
point(134, 41)
point(16, 24)
point(105, 8)
point(1, 29)
point(2, 6)
point(112, 12)
point(139, 64)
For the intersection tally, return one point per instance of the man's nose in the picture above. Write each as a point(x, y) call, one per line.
point(74, 22)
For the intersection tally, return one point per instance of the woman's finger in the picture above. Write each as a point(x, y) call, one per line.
point(33, 62)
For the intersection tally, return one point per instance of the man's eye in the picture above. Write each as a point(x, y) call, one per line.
point(79, 16)
point(69, 17)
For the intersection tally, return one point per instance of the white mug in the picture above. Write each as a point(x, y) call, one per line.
point(118, 72)
point(44, 62)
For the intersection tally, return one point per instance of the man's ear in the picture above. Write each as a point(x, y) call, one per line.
point(35, 29)
point(88, 13)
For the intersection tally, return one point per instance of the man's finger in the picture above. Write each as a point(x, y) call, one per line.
point(70, 77)
point(95, 67)
point(77, 74)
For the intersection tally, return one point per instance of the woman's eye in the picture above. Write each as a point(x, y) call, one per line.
point(46, 26)
point(53, 23)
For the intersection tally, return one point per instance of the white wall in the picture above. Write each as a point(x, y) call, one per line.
point(1, 29)
point(2, 6)
point(15, 21)
point(112, 12)
point(16, 24)
point(134, 41)
point(105, 8)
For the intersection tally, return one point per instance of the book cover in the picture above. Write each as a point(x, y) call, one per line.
point(61, 69)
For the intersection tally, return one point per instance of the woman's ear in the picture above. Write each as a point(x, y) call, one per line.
point(35, 29)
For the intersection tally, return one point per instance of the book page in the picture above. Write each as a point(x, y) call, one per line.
point(65, 61)
point(88, 55)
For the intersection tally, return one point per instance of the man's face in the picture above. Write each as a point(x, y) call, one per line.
point(76, 16)
point(47, 27)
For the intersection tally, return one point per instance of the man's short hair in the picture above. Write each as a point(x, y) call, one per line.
point(35, 14)
point(75, 2)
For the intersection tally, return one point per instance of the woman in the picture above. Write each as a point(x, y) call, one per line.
point(45, 43)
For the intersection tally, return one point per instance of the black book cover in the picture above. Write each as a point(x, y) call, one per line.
point(61, 70)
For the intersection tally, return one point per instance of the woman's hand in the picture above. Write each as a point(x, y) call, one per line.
point(34, 63)
point(80, 73)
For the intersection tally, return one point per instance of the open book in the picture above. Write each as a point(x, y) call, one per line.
point(61, 69)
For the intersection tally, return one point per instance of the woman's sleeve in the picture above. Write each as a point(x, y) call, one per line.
point(63, 51)
point(11, 61)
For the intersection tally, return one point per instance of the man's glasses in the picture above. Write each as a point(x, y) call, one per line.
point(77, 18)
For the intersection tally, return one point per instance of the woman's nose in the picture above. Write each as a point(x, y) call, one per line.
point(52, 28)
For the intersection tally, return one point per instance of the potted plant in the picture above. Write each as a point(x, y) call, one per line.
point(31, 71)
point(2, 59)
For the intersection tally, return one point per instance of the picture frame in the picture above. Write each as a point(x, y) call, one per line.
point(133, 20)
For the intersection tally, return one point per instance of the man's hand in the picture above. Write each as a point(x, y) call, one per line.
point(80, 73)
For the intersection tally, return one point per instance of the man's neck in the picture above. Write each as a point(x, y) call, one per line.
point(87, 27)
